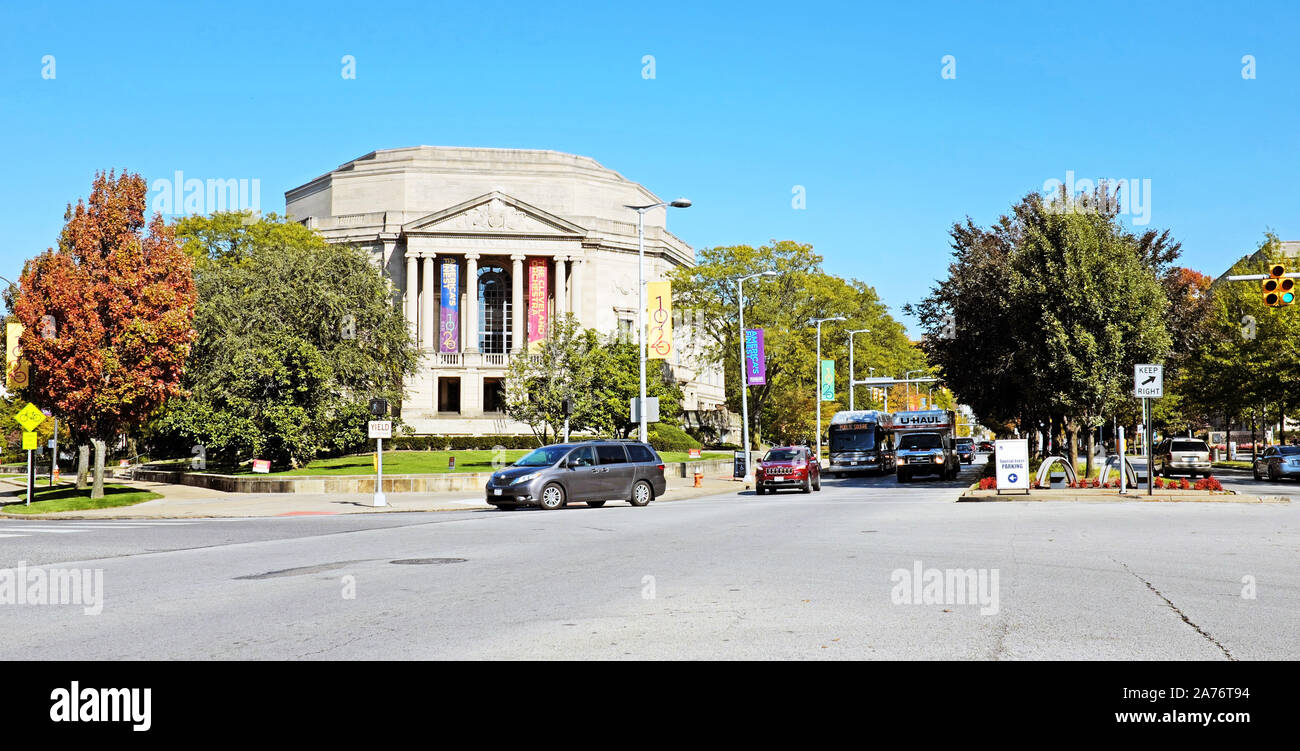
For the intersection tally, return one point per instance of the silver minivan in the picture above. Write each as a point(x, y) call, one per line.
point(590, 472)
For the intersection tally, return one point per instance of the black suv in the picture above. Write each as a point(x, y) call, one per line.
point(589, 472)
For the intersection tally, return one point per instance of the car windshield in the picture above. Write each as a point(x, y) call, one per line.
point(543, 457)
point(1189, 446)
point(781, 455)
point(853, 440)
point(920, 441)
point(964, 444)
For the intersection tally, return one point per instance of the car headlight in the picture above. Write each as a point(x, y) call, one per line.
point(938, 457)
point(900, 460)
point(523, 478)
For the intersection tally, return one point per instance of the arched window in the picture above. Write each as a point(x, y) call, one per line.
point(494, 313)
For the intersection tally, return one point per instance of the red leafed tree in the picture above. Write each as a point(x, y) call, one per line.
point(107, 316)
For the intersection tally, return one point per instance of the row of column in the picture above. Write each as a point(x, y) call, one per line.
point(422, 309)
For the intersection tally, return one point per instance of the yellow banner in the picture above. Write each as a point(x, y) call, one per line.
point(16, 368)
point(659, 317)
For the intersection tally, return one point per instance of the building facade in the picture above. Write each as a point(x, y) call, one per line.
point(483, 248)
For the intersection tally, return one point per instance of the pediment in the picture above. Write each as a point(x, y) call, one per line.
point(494, 214)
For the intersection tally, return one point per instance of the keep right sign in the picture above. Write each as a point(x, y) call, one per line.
point(1148, 381)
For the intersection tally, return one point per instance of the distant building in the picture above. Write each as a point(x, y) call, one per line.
point(484, 247)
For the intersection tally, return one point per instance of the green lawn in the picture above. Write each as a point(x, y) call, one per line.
point(432, 462)
point(66, 497)
point(1225, 464)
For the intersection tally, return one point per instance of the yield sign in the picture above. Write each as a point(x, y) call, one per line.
point(29, 417)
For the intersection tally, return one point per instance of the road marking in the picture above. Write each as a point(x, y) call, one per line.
point(45, 531)
point(13, 535)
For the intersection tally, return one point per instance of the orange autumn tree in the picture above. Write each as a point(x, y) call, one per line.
point(107, 316)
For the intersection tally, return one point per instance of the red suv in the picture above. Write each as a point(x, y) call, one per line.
point(788, 467)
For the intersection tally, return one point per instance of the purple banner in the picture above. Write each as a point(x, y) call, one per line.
point(755, 358)
point(449, 324)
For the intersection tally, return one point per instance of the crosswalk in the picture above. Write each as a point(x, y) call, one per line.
point(29, 529)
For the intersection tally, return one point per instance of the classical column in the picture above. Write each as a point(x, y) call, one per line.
point(575, 287)
point(412, 291)
point(471, 303)
point(559, 286)
point(429, 326)
point(519, 340)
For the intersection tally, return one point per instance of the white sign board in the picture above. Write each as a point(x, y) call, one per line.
point(1013, 464)
point(652, 409)
point(1148, 381)
point(381, 428)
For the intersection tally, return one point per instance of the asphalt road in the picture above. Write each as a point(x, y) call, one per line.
point(791, 576)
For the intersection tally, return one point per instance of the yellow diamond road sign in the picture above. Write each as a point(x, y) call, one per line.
point(29, 417)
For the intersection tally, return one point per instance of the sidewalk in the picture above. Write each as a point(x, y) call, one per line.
point(188, 502)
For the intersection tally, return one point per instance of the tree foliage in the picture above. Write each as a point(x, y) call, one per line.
point(784, 410)
point(107, 316)
point(295, 336)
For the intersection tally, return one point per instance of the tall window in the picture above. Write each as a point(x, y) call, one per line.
point(494, 334)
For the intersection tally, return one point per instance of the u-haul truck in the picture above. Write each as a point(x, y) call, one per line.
point(923, 444)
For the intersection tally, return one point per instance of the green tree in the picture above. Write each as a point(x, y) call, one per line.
point(785, 408)
point(1044, 315)
point(618, 382)
point(563, 366)
point(296, 335)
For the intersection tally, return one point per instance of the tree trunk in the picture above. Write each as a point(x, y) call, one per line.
point(1252, 439)
point(97, 490)
point(1072, 445)
point(83, 465)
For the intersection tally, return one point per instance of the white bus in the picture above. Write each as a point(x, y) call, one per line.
point(861, 441)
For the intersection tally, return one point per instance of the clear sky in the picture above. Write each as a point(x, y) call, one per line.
point(748, 100)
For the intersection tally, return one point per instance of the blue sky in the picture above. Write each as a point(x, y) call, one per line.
point(749, 99)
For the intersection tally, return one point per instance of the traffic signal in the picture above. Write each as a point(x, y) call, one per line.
point(1279, 289)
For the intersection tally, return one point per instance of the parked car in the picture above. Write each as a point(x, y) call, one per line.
point(590, 472)
point(965, 450)
point(1277, 462)
point(1189, 456)
point(788, 467)
point(986, 446)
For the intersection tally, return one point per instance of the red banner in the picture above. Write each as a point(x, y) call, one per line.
point(537, 289)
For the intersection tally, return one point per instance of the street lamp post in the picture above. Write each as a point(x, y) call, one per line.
point(819, 322)
point(680, 203)
point(907, 387)
point(744, 376)
point(852, 371)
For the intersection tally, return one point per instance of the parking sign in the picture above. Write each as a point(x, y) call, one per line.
point(1148, 381)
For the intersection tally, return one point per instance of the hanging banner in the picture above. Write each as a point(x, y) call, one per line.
point(537, 289)
point(16, 368)
point(659, 314)
point(828, 380)
point(449, 320)
point(755, 358)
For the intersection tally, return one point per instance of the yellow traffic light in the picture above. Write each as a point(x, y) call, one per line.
point(1279, 290)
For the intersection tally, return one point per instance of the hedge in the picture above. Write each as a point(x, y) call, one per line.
point(462, 442)
point(667, 437)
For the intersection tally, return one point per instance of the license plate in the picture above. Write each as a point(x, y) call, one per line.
point(779, 479)
point(497, 491)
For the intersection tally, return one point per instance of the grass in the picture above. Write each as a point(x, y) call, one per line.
point(431, 463)
point(66, 497)
point(1225, 464)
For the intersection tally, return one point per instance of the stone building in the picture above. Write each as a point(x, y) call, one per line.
point(483, 248)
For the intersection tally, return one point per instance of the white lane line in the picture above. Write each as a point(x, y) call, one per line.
point(13, 535)
point(42, 530)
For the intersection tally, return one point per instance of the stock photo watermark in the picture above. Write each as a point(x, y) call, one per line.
point(77, 704)
point(1129, 197)
point(951, 586)
point(57, 586)
point(181, 195)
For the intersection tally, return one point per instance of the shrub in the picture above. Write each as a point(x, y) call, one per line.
point(667, 437)
point(988, 483)
point(462, 442)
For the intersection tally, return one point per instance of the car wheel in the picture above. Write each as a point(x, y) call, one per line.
point(1254, 470)
point(759, 489)
point(595, 504)
point(807, 486)
point(1193, 475)
point(817, 484)
point(552, 497)
point(902, 476)
point(642, 494)
point(1272, 473)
